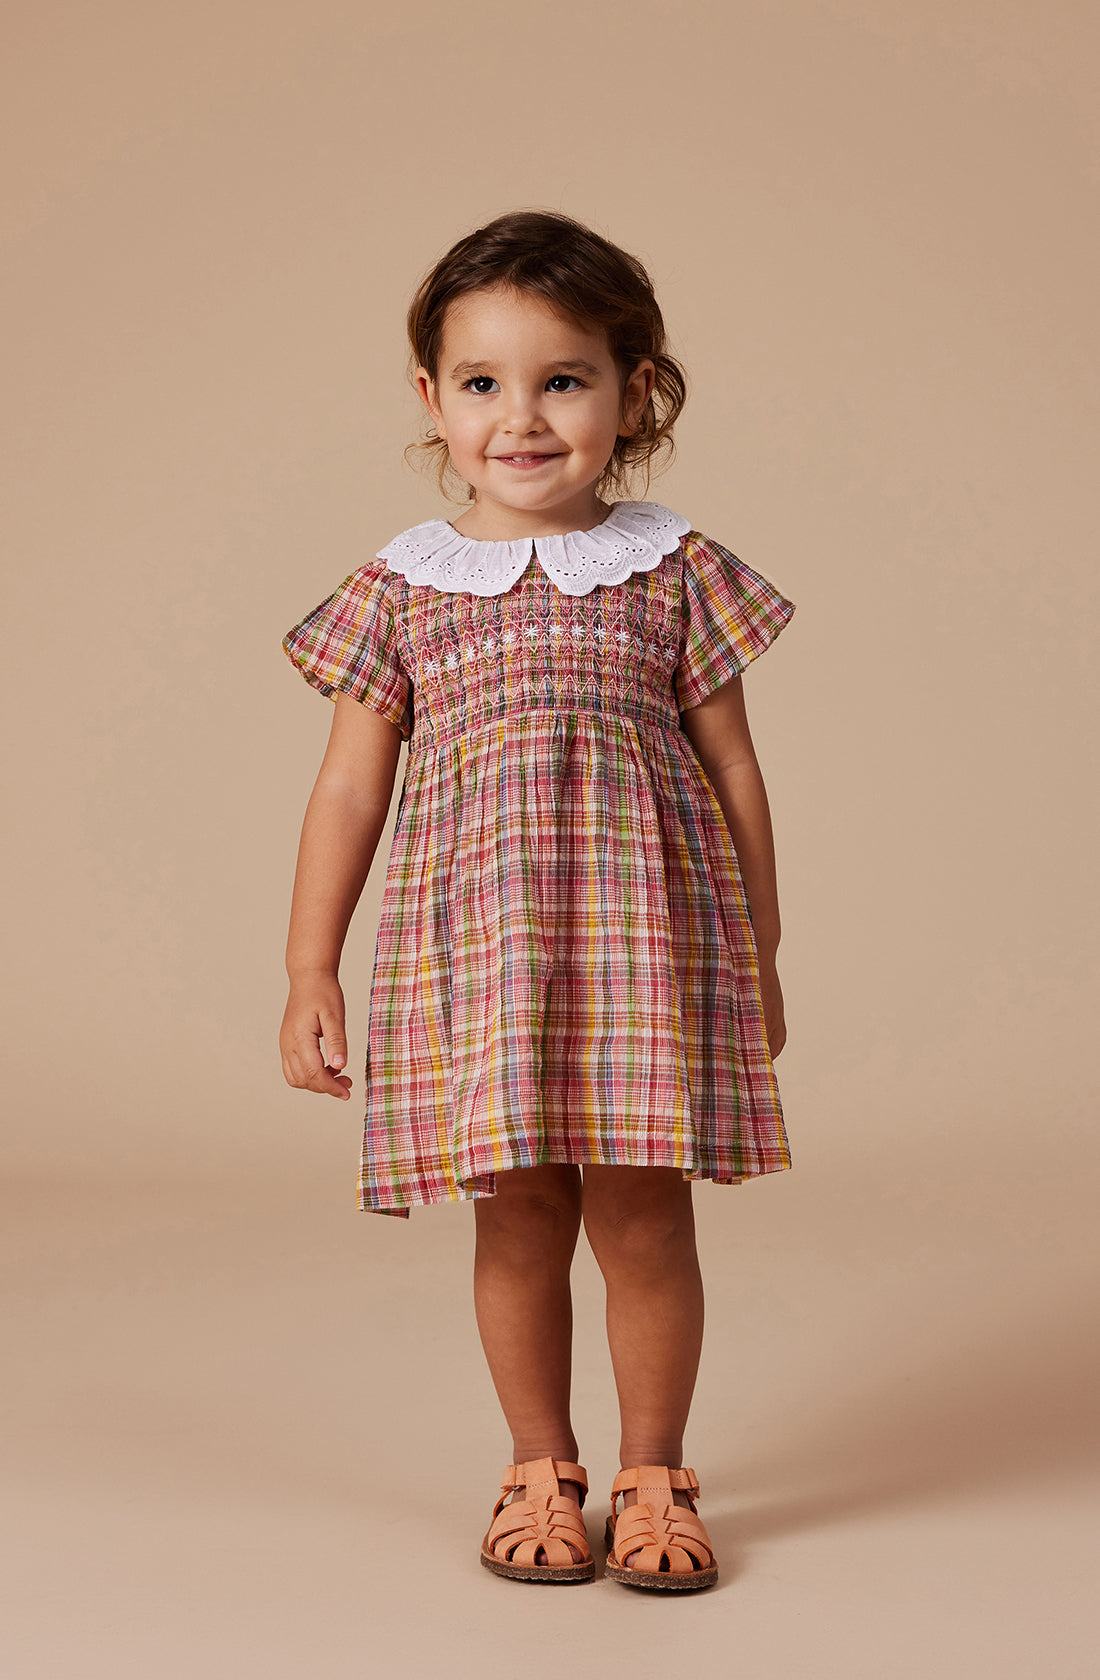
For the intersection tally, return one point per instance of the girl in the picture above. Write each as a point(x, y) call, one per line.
point(575, 1006)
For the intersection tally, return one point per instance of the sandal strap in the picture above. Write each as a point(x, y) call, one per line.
point(545, 1519)
point(516, 1475)
point(678, 1477)
point(675, 1534)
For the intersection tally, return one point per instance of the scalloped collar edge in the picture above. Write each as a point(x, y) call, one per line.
point(634, 537)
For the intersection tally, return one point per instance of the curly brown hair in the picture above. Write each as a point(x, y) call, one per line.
point(587, 279)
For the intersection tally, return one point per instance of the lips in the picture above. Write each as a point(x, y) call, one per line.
point(529, 455)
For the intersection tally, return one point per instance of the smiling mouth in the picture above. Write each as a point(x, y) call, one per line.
point(528, 460)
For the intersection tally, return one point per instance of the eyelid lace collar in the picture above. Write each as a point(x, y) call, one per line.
point(634, 537)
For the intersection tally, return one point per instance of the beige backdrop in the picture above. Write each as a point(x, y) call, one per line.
point(254, 1433)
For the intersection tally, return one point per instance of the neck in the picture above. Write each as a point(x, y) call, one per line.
point(493, 522)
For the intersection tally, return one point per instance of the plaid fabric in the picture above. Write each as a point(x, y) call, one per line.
point(347, 645)
point(565, 968)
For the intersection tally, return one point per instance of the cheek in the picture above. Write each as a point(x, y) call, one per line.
point(463, 430)
point(598, 426)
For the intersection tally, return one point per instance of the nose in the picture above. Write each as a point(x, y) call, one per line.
point(523, 414)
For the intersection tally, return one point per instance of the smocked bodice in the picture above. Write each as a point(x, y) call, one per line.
point(476, 658)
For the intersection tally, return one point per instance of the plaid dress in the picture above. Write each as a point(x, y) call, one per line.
point(565, 968)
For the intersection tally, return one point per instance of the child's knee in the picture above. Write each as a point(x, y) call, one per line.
point(642, 1215)
point(533, 1208)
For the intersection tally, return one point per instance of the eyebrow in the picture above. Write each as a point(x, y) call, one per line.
point(467, 368)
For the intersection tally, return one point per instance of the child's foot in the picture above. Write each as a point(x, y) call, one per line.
point(571, 1490)
point(649, 1546)
point(537, 1532)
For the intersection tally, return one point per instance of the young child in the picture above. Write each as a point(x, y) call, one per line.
point(575, 1007)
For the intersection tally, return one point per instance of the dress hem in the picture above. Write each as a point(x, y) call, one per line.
point(460, 1194)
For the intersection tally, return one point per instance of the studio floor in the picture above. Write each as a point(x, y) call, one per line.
point(250, 1433)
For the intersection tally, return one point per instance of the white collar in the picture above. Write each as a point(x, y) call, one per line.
point(634, 537)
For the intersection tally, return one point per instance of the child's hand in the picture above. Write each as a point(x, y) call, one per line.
point(315, 1010)
point(772, 997)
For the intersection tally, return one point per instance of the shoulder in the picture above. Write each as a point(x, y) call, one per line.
point(697, 545)
point(372, 583)
point(385, 569)
point(708, 561)
point(361, 598)
point(416, 542)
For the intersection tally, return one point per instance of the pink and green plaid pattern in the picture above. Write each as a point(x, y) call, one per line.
point(565, 967)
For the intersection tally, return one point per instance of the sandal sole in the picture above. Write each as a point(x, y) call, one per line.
point(665, 1581)
point(567, 1575)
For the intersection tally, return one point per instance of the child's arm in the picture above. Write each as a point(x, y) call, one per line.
point(719, 732)
point(344, 820)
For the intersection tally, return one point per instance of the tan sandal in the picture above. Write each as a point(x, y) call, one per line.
point(657, 1543)
point(547, 1521)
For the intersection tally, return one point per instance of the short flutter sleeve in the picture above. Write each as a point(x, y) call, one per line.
point(348, 645)
point(729, 615)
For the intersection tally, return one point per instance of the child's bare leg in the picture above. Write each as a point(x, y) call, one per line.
point(640, 1224)
point(526, 1236)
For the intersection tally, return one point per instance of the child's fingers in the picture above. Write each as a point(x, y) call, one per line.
point(336, 1045)
point(304, 1066)
point(332, 1026)
point(324, 1080)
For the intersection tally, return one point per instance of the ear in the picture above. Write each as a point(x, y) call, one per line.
point(425, 387)
point(636, 393)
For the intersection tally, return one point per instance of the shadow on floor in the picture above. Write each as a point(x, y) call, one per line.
point(1015, 1404)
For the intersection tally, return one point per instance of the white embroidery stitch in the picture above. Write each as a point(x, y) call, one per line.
point(635, 537)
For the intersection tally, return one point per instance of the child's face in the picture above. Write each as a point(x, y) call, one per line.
point(530, 405)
